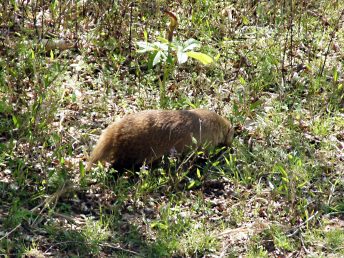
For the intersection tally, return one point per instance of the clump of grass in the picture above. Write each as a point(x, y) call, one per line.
point(321, 242)
point(85, 241)
point(177, 234)
point(95, 232)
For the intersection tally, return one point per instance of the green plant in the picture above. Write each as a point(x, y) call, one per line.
point(95, 232)
point(257, 251)
point(33, 251)
point(279, 238)
point(168, 53)
point(335, 240)
point(17, 216)
point(198, 240)
point(178, 234)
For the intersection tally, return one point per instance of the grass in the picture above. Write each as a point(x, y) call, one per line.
point(277, 76)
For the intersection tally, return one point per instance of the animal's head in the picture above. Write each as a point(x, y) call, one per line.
point(228, 133)
point(229, 136)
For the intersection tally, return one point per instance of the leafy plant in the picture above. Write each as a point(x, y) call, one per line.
point(170, 53)
point(181, 50)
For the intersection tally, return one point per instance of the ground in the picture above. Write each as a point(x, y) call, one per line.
point(274, 69)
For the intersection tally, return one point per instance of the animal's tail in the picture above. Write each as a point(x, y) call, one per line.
point(104, 147)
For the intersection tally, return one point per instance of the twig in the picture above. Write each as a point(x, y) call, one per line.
point(281, 88)
point(333, 187)
point(64, 216)
point(130, 28)
point(50, 199)
point(303, 246)
point(9, 233)
point(224, 250)
point(334, 213)
point(120, 249)
point(333, 34)
point(62, 243)
point(302, 224)
point(173, 24)
point(291, 21)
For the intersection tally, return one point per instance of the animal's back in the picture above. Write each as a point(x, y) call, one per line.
point(148, 135)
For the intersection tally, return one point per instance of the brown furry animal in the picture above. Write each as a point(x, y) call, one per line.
point(148, 135)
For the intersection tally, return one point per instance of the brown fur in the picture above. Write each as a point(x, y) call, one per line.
point(148, 135)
